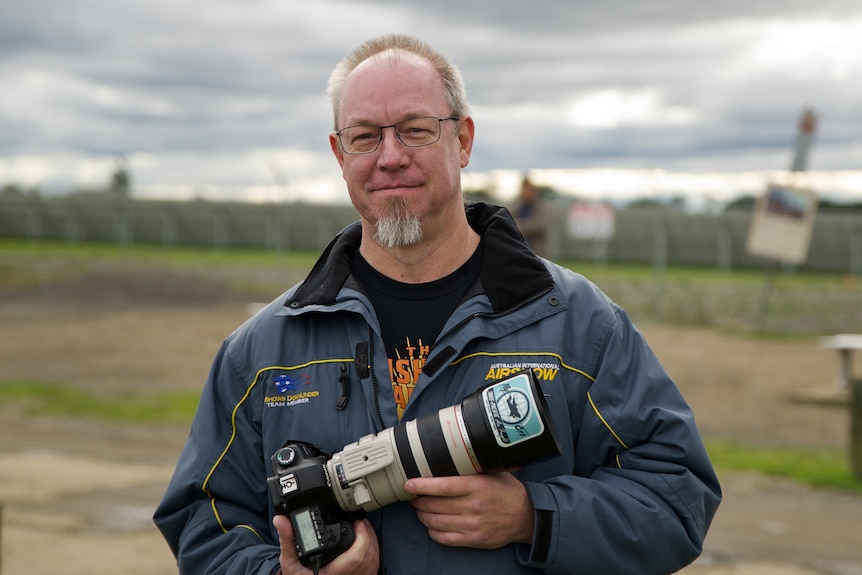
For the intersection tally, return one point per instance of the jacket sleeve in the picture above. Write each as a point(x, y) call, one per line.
point(643, 491)
point(213, 514)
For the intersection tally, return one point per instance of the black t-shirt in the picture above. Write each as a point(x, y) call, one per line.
point(411, 316)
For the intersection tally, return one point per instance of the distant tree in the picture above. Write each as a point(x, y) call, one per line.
point(19, 190)
point(676, 203)
point(742, 203)
point(11, 190)
point(644, 203)
point(832, 206)
point(120, 184)
point(479, 195)
point(548, 192)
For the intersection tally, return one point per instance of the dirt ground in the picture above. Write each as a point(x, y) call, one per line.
point(77, 497)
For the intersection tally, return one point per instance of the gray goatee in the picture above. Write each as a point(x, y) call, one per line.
point(397, 228)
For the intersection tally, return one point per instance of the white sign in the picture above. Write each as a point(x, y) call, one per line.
point(781, 224)
point(591, 221)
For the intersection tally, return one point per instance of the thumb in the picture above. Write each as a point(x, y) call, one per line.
point(287, 558)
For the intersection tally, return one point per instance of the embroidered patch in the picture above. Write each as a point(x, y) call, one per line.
point(291, 391)
point(283, 384)
point(546, 371)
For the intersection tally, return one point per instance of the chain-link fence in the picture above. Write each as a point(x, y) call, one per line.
point(653, 236)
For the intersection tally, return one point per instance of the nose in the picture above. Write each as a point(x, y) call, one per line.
point(391, 153)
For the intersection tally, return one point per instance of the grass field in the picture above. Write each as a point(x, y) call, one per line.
point(803, 305)
point(819, 468)
point(797, 303)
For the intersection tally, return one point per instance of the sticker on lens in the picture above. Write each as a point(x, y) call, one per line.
point(512, 411)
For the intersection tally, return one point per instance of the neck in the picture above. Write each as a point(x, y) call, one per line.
point(435, 257)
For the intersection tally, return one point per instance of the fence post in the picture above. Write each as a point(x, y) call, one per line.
point(660, 257)
point(856, 428)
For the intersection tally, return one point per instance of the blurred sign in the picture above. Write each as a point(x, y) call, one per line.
point(781, 224)
point(591, 221)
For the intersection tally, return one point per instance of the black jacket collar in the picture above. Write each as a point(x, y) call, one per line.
point(511, 271)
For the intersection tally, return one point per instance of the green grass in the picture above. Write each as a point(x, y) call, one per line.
point(181, 256)
point(699, 288)
point(26, 265)
point(40, 398)
point(799, 303)
point(824, 468)
point(827, 468)
point(702, 275)
point(184, 256)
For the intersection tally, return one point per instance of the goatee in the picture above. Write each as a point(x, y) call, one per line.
point(397, 227)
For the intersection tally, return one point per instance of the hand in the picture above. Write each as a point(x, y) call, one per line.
point(362, 558)
point(481, 511)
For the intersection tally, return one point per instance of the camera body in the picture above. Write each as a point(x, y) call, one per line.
point(301, 489)
point(502, 425)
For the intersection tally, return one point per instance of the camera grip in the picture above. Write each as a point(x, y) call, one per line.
point(333, 540)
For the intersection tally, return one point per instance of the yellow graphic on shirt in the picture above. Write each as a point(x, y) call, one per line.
point(404, 370)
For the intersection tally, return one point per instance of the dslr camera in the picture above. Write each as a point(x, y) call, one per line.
point(502, 425)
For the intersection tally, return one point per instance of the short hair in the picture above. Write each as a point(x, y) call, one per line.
point(392, 46)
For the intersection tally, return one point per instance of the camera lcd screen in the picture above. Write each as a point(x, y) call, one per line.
point(306, 533)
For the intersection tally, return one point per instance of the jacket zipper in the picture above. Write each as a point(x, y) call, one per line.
point(375, 388)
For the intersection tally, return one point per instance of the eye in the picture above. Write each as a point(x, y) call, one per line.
point(358, 134)
point(418, 131)
point(413, 127)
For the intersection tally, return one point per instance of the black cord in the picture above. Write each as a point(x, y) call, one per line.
point(315, 564)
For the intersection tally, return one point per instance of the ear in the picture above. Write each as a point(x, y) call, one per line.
point(465, 136)
point(336, 149)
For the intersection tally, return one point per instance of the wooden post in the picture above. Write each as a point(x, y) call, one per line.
point(856, 428)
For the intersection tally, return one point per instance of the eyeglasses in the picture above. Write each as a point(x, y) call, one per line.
point(413, 133)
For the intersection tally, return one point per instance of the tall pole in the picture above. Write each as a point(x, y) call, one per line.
point(856, 428)
point(807, 125)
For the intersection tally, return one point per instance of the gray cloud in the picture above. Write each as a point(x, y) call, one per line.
point(554, 84)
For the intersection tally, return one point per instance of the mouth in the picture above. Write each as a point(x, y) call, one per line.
point(394, 188)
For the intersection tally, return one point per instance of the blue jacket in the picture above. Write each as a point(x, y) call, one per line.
point(633, 491)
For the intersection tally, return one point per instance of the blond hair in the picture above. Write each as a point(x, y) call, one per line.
point(393, 46)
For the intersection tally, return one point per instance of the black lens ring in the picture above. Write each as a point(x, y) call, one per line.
point(435, 447)
point(405, 453)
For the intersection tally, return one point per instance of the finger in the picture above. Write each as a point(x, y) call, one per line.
point(364, 530)
point(363, 556)
point(437, 486)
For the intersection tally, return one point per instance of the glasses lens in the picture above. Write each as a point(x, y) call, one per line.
point(418, 131)
point(414, 133)
point(360, 139)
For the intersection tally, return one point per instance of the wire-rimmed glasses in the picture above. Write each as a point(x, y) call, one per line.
point(413, 133)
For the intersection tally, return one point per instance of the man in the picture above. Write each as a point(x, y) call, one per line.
point(436, 300)
point(532, 215)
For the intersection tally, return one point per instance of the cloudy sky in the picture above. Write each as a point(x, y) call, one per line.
point(227, 97)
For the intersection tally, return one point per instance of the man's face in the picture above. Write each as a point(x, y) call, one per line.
point(426, 181)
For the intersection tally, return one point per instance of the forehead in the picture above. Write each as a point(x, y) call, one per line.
point(388, 89)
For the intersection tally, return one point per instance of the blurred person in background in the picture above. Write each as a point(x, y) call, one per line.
point(408, 311)
point(533, 216)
